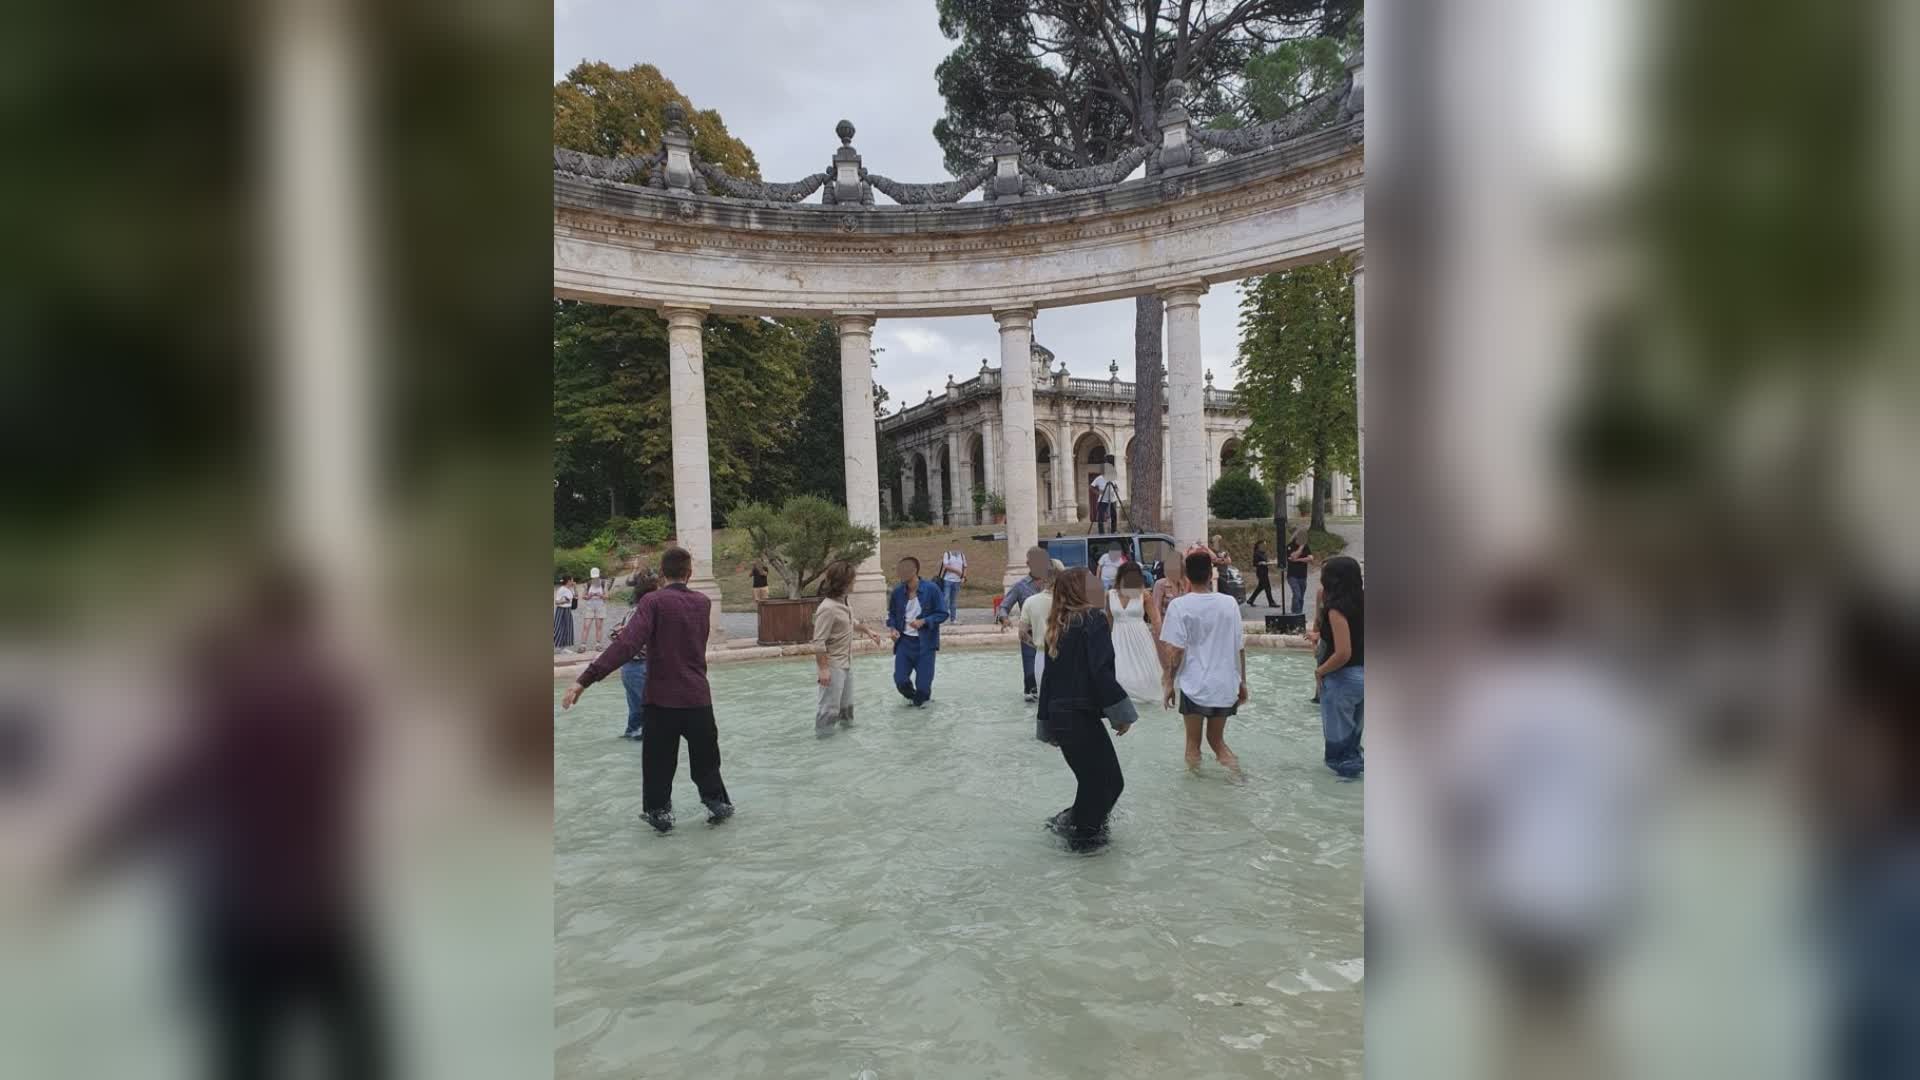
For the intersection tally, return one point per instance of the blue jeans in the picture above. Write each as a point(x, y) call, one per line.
point(1343, 703)
point(1297, 587)
point(913, 669)
point(1026, 668)
point(952, 591)
point(633, 676)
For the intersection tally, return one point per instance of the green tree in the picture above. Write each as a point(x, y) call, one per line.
point(802, 538)
point(612, 436)
point(1083, 82)
point(1236, 496)
point(613, 451)
point(609, 111)
point(1296, 369)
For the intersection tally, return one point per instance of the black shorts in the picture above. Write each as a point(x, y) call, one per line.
point(1188, 708)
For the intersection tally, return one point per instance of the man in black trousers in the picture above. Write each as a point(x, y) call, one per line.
point(671, 625)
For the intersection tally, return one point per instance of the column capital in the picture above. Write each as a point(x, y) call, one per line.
point(854, 322)
point(684, 316)
point(1183, 294)
point(1014, 318)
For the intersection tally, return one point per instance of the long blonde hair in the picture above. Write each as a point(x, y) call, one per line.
point(1072, 598)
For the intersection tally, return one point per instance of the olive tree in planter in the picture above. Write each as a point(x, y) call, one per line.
point(798, 542)
point(997, 506)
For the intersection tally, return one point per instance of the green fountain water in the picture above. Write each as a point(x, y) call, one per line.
point(886, 904)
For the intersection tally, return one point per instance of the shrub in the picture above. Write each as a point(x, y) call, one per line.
point(1303, 506)
point(575, 560)
point(979, 499)
point(800, 539)
point(1237, 495)
point(996, 503)
point(571, 534)
point(627, 535)
point(920, 508)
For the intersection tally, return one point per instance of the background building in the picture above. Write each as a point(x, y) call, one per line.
point(949, 443)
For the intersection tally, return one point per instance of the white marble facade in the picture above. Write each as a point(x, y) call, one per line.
point(949, 444)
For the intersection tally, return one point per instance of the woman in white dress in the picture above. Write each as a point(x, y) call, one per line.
point(1136, 659)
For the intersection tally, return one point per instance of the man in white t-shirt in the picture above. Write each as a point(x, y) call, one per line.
point(1206, 671)
point(1110, 565)
point(953, 571)
point(1033, 623)
point(1106, 502)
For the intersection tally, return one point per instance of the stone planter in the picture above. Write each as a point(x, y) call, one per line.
point(786, 622)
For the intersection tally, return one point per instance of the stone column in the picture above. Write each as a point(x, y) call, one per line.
point(1360, 364)
point(861, 455)
point(692, 489)
point(962, 496)
point(989, 457)
point(1065, 498)
point(1186, 413)
point(1016, 436)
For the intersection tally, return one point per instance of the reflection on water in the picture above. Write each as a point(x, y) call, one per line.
point(887, 905)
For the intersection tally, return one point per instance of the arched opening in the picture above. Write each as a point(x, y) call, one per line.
point(948, 504)
point(977, 454)
point(1232, 457)
point(1043, 471)
point(919, 481)
point(1089, 461)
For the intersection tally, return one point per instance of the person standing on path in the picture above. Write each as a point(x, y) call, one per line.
point(593, 613)
point(953, 573)
point(1080, 689)
point(1206, 672)
point(833, 629)
point(759, 582)
point(1110, 564)
point(670, 625)
point(563, 601)
point(1039, 570)
point(1105, 495)
point(633, 673)
point(915, 611)
point(1261, 569)
point(1343, 674)
point(1299, 559)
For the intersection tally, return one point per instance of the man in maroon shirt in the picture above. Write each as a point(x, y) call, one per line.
point(671, 624)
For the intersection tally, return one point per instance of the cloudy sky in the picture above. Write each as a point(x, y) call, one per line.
point(783, 75)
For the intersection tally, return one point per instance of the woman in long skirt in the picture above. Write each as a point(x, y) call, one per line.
point(563, 595)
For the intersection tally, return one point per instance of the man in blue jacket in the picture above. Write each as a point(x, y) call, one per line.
point(914, 614)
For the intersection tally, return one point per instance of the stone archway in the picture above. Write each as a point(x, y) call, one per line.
point(1231, 452)
point(920, 480)
point(1089, 460)
point(1042, 472)
point(948, 505)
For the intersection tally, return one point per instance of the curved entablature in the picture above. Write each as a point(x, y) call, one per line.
point(1295, 202)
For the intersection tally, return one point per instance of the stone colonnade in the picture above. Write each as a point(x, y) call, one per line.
point(1013, 451)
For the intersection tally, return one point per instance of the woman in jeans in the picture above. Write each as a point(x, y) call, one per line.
point(633, 673)
point(1342, 675)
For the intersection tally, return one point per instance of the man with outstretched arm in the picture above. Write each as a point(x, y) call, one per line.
point(915, 611)
point(671, 624)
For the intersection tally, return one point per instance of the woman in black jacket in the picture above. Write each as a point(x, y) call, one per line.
point(1079, 687)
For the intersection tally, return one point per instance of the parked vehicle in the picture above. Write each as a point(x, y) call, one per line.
point(1155, 552)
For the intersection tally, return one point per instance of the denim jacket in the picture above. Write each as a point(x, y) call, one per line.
point(933, 608)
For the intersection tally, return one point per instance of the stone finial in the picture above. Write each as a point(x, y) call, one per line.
point(950, 383)
point(679, 145)
point(1113, 371)
point(983, 365)
point(1176, 152)
point(849, 178)
point(1006, 161)
point(1209, 378)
